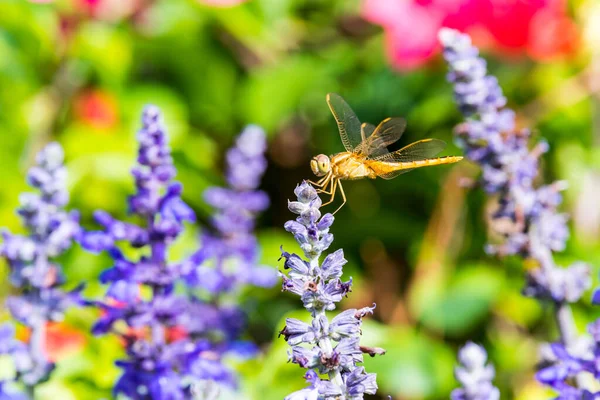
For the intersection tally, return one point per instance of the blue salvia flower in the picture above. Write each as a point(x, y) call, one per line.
point(474, 375)
point(323, 347)
point(151, 369)
point(532, 226)
point(33, 269)
point(22, 359)
point(562, 365)
point(231, 246)
point(228, 256)
point(534, 229)
point(158, 366)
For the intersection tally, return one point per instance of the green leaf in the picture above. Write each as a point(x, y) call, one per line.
point(465, 302)
point(414, 366)
point(274, 93)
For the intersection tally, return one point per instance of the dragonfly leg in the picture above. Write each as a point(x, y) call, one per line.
point(321, 182)
point(343, 197)
point(334, 183)
point(325, 191)
point(325, 183)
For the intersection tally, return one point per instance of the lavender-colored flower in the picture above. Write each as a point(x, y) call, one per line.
point(159, 365)
point(231, 246)
point(323, 346)
point(51, 231)
point(474, 375)
point(563, 364)
point(535, 228)
point(228, 256)
point(561, 284)
point(24, 364)
point(489, 138)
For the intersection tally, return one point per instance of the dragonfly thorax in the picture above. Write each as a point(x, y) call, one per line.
point(320, 165)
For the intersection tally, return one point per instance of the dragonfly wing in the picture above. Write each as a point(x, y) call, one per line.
point(366, 130)
point(421, 150)
point(347, 121)
point(386, 133)
point(393, 174)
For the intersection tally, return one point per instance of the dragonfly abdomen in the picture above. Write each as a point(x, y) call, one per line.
point(382, 167)
point(430, 162)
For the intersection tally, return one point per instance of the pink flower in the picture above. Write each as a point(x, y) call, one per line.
point(552, 35)
point(411, 26)
point(222, 3)
point(110, 10)
point(406, 47)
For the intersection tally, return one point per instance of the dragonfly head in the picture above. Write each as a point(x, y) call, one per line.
point(320, 165)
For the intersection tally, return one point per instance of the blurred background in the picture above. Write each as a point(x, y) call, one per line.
point(80, 71)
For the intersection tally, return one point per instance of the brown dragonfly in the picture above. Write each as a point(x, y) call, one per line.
point(366, 154)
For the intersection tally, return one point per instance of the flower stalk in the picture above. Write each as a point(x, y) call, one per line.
point(177, 330)
point(324, 347)
point(33, 268)
point(474, 375)
point(526, 216)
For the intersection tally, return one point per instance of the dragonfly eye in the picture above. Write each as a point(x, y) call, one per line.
point(320, 165)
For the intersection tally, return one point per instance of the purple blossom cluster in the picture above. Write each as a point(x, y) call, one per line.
point(19, 353)
point(531, 225)
point(323, 347)
point(228, 257)
point(175, 340)
point(564, 366)
point(31, 258)
point(474, 375)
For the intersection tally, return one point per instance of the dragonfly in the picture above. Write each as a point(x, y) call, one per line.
point(367, 154)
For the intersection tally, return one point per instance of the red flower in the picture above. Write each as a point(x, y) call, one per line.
point(172, 333)
point(539, 27)
point(61, 340)
point(175, 333)
point(96, 108)
point(552, 34)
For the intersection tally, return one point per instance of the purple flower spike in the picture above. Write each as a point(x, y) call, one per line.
point(246, 162)
point(175, 342)
point(489, 138)
point(51, 232)
point(474, 375)
point(526, 216)
point(232, 246)
point(323, 347)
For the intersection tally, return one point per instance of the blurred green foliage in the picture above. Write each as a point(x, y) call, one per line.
point(415, 244)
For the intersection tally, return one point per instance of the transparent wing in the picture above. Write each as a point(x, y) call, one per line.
point(347, 121)
point(421, 150)
point(386, 133)
point(366, 130)
point(393, 174)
